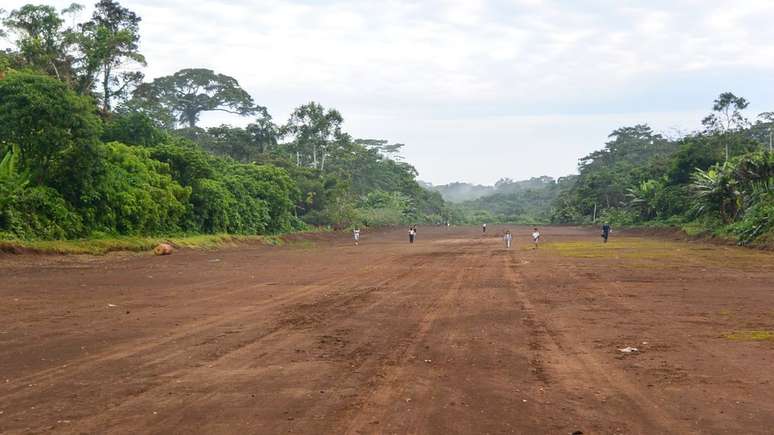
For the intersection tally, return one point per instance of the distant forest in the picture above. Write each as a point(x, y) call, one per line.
point(523, 202)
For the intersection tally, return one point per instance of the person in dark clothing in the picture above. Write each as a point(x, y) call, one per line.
point(606, 231)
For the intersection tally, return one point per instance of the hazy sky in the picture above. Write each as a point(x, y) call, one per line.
point(477, 90)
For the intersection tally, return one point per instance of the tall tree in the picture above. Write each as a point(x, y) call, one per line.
point(314, 130)
point(109, 45)
point(184, 95)
point(264, 133)
point(55, 130)
point(763, 130)
point(727, 116)
point(40, 39)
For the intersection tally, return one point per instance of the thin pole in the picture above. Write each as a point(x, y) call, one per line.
point(594, 219)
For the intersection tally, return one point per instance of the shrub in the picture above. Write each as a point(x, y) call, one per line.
point(40, 212)
point(137, 195)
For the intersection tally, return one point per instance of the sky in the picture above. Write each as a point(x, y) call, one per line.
point(477, 90)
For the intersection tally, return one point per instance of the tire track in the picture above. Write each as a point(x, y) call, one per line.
point(575, 370)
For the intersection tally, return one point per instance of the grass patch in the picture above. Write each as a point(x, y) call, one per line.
point(695, 229)
point(749, 335)
point(648, 253)
point(100, 246)
point(630, 248)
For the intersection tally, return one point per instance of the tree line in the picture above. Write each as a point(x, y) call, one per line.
point(718, 180)
point(88, 147)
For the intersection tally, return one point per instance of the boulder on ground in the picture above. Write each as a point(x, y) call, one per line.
point(163, 249)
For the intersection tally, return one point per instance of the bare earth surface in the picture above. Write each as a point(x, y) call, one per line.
point(454, 334)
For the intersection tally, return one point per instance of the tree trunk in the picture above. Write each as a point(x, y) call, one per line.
point(106, 90)
point(56, 70)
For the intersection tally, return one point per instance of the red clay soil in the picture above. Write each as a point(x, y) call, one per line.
point(454, 334)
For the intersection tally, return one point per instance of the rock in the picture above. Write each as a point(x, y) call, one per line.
point(163, 249)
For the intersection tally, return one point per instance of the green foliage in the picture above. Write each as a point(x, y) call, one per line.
point(136, 195)
point(717, 182)
point(524, 202)
point(40, 212)
point(43, 117)
point(183, 96)
point(56, 132)
point(106, 43)
point(134, 128)
point(618, 216)
point(246, 145)
point(41, 41)
point(315, 132)
point(646, 198)
point(12, 181)
point(228, 196)
point(758, 221)
point(716, 192)
point(70, 169)
point(633, 156)
point(379, 208)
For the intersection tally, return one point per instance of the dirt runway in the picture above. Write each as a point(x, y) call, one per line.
point(454, 334)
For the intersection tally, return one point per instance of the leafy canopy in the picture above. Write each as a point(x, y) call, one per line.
point(183, 96)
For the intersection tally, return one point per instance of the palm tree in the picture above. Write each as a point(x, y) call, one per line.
point(11, 180)
point(644, 196)
point(716, 190)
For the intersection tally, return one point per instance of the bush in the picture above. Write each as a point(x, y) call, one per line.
point(134, 128)
point(618, 216)
point(227, 196)
point(56, 131)
point(758, 221)
point(375, 217)
point(136, 195)
point(40, 212)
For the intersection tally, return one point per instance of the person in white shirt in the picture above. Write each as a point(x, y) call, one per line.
point(508, 238)
point(536, 237)
point(483, 228)
point(412, 234)
point(356, 235)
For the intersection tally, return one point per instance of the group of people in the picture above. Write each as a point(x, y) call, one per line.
point(412, 234)
point(507, 237)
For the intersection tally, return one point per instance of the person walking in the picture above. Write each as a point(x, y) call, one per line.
point(606, 231)
point(536, 238)
point(483, 228)
point(508, 239)
point(356, 235)
point(412, 234)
